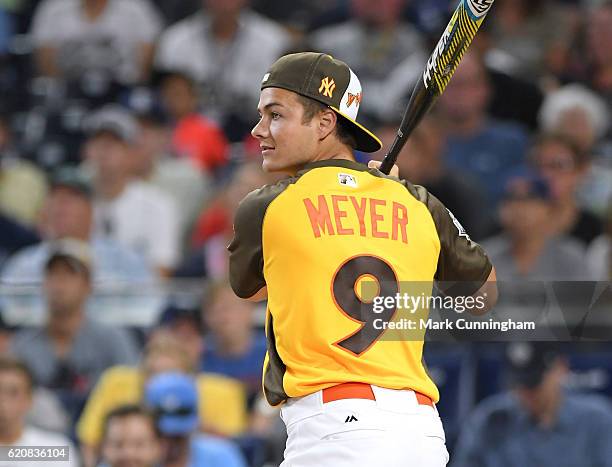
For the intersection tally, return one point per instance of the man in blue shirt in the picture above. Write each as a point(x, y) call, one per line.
point(476, 144)
point(173, 397)
point(233, 346)
point(70, 350)
point(537, 424)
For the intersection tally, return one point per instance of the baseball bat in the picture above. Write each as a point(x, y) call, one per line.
point(441, 66)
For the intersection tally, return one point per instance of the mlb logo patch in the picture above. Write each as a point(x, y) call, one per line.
point(347, 180)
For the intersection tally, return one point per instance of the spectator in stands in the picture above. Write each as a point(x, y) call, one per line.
point(130, 211)
point(485, 148)
point(532, 425)
point(217, 217)
point(526, 249)
point(585, 118)
point(564, 165)
point(194, 137)
point(22, 185)
point(531, 37)
point(174, 397)
point(512, 98)
point(154, 163)
point(213, 228)
point(16, 389)
point(131, 438)
point(578, 113)
point(70, 351)
point(233, 347)
point(222, 407)
point(69, 214)
point(599, 255)
point(386, 53)
point(95, 39)
point(597, 49)
point(422, 163)
point(183, 321)
point(46, 411)
point(227, 48)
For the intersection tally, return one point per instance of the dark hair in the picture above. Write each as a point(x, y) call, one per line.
point(8, 363)
point(580, 157)
point(343, 130)
point(176, 75)
point(130, 410)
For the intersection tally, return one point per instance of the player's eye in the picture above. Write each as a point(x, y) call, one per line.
point(275, 116)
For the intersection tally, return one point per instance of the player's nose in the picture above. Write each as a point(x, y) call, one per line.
point(260, 130)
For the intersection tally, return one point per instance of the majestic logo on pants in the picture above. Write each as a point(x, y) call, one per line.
point(478, 8)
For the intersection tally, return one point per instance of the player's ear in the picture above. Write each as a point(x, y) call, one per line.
point(327, 123)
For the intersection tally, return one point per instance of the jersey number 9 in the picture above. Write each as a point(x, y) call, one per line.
point(348, 279)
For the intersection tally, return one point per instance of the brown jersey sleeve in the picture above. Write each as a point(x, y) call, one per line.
point(246, 251)
point(463, 265)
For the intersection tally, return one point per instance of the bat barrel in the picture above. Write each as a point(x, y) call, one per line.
point(440, 68)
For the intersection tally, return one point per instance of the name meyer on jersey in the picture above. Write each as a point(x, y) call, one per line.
point(352, 215)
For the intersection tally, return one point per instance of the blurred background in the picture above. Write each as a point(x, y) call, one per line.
point(125, 148)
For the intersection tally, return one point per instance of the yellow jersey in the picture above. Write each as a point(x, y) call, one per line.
point(315, 240)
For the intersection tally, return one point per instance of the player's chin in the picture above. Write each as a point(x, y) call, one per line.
point(272, 163)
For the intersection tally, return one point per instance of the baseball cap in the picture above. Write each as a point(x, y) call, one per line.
point(323, 78)
point(75, 253)
point(528, 362)
point(114, 119)
point(174, 398)
point(526, 184)
point(73, 178)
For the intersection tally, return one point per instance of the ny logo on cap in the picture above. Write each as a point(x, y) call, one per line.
point(353, 98)
point(327, 87)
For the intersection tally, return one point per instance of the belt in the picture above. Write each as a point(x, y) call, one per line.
point(362, 391)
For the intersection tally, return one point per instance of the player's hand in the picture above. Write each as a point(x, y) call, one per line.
point(376, 165)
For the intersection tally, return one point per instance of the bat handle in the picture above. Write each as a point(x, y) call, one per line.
point(421, 100)
point(391, 156)
point(389, 160)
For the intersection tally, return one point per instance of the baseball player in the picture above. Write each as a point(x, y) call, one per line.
point(350, 396)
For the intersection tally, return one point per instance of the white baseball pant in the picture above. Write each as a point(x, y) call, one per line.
point(392, 431)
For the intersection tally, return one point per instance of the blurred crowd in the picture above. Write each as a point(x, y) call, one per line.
point(125, 149)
